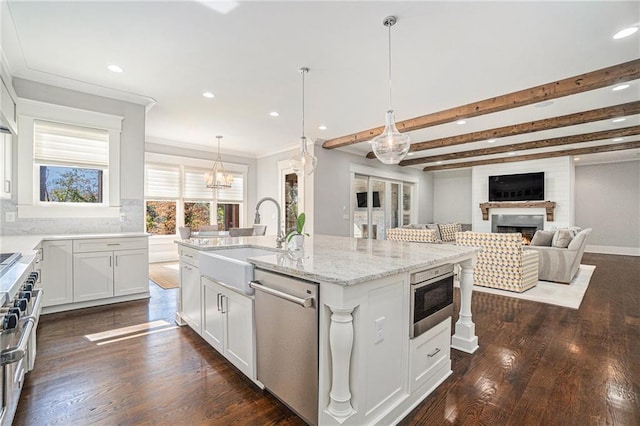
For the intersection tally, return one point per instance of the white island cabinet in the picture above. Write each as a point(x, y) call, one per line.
point(227, 325)
point(190, 309)
point(369, 369)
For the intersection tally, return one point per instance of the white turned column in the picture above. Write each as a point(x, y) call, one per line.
point(465, 339)
point(341, 344)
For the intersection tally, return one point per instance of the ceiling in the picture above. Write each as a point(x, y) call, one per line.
point(445, 54)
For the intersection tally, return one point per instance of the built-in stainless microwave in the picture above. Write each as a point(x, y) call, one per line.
point(431, 298)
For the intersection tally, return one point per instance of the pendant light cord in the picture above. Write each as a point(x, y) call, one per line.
point(390, 107)
point(303, 71)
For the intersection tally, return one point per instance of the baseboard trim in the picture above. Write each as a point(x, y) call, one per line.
point(623, 251)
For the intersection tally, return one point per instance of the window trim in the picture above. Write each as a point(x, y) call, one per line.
point(29, 205)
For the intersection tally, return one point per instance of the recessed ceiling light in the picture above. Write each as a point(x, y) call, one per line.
point(438, 162)
point(491, 140)
point(543, 104)
point(322, 127)
point(617, 139)
point(618, 120)
point(511, 153)
point(208, 95)
point(576, 158)
point(274, 113)
point(114, 68)
point(625, 33)
point(461, 122)
point(620, 87)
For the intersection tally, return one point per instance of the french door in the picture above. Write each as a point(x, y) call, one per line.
point(380, 204)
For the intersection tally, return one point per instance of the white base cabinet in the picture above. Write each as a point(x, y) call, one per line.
point(92, 276)
point(55, 263)
point(227, 325)
point(86, 272)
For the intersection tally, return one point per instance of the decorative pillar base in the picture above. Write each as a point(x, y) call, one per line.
point(464, 338)
point(341, 344)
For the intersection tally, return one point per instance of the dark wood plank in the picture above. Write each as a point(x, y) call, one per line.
point(543, 143)
point(570, 86)
point(537, 156)
point(537, 364)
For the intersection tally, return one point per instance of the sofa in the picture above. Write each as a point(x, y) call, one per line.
point(559, 253)
point(428, 232)
point(502, 263)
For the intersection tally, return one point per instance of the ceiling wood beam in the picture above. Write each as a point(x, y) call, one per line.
point(543, 143)
point(530, 126)
point(569, 86)
point(578, 151)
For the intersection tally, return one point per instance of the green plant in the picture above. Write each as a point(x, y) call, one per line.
point(300, 220)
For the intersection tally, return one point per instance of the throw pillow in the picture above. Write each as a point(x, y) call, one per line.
point(434, 226)
point(542, 238)
point(561, 238)
point(448, 231)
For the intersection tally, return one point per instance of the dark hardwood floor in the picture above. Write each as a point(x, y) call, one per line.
point(537, 364)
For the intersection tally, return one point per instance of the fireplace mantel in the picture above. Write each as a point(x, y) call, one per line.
point(547, 205)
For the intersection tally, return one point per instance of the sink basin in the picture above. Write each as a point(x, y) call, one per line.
point(230, 266)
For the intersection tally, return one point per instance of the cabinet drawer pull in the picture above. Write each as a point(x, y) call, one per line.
point(436, 352)
point(218, 300)
point(113, 244)
point(222, 297)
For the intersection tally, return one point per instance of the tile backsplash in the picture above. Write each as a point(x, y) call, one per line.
point(133, 210)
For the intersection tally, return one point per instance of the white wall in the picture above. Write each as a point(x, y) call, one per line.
point(558, 187)
point(451, 196)
point(608, 200)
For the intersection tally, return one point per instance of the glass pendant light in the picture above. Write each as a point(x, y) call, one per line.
point(303, 163)
point(217, 178)
point(391, 146)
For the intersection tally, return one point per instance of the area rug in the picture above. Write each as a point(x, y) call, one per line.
point(165, 275)
point(569, 296)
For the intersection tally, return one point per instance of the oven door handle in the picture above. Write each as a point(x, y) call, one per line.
point(432, 280)
point(15, 354)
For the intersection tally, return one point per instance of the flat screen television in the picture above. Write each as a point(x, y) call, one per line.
point(519, 187)
point(362, 199)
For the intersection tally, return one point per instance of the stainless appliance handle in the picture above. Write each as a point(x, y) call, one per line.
point(431, 280)
point(15, 354)
point(306, 302)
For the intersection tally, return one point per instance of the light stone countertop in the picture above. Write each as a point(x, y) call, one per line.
point(27, 243)
point(341, 260)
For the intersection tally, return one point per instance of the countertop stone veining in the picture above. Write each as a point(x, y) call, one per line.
point(341, 260)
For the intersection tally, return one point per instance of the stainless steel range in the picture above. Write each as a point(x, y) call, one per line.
point(19, 315)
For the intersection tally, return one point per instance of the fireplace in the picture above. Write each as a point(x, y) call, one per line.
point(527, 225)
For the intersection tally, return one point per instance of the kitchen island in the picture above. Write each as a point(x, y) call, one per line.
point(369, 369)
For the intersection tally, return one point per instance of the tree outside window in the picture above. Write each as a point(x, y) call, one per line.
point(161, 217)
point(196, 214)
point(70, 185)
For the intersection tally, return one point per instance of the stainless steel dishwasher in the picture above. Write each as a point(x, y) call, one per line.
point(287, 340)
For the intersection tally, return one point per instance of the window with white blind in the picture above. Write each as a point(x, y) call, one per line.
point(176, 195)
point(68, 162)
point(72, 162)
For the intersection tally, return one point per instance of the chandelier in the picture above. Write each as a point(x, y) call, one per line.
point(217, 178)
